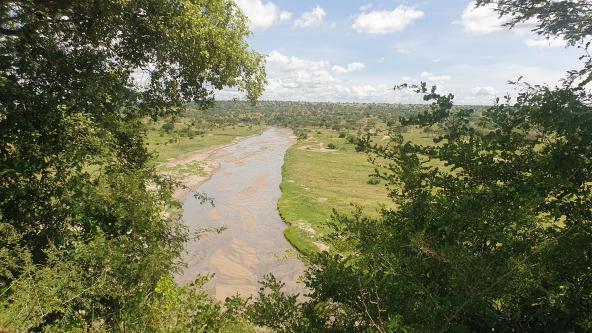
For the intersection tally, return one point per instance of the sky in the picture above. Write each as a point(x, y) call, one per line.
point(357, 51)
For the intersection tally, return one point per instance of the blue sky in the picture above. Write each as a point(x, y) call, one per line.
point(356, 51)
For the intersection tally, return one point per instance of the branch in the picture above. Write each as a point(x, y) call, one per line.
point(11, 32)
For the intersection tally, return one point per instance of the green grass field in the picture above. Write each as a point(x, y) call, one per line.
point(167, 146)
point(316, 181)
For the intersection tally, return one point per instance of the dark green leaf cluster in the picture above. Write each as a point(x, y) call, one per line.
point(87, 229)
point(493, 226)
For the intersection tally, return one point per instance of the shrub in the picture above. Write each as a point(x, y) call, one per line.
point(168, 127)
point(373, 181)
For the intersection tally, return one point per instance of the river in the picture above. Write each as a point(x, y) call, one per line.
point(245, 189)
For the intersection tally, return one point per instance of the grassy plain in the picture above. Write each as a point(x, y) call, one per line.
point(317, 180)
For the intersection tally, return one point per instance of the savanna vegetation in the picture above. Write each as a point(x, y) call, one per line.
point(490, 228)
point(463, 219)
point(85, 240)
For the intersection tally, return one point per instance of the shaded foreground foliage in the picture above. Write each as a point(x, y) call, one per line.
point(499, 238)
point(87, 229)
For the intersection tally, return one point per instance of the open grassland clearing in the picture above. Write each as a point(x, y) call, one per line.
point(325, 172)
point(317, 180)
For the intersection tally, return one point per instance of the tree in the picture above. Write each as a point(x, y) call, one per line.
point(168, 127)
point(492, 229)
point(492, 226)
point(84, 237)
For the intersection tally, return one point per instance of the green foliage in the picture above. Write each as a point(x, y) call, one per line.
point(490, 227)
point(168, 127)
point(301, 134)
point(331, 145)
point(87, 229)
point(301, 115)
point(277, 311)
point(357, 141)
point(373, 181)
point(273, 308)
point(180, 309)
point(497, 240)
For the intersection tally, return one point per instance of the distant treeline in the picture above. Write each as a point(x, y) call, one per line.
point(301, 116)
point(353, 116)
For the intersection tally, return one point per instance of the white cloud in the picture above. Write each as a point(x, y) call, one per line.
point(496, 76)
point(427, 76)
point(403, 50)
point(481, 20)
point(365, 7)
point(382, 22)
point(485, 20)
point(544, 43)
point(285, 16)
point(262, 15)
point(354, 66)
point(299, 79)
point(484, 91)
point(294, 78)
point(314, 18)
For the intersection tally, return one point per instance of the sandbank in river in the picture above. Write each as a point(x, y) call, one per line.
point(245, 189)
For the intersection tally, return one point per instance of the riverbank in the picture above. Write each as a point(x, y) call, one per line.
point(169, 144)
point(245, 190)
point(190, 170)
point(316, 180)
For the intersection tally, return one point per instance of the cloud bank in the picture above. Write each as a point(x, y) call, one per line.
point(262, 15)
point(314, 18)
point(383, 22)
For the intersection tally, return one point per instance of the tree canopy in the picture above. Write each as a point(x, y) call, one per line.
point(86, 229)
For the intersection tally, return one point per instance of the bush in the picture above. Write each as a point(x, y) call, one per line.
point(168, 127)
point(301, 134)
point(373, 181)
point(331, 146)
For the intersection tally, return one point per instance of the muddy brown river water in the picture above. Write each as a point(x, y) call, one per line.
point(245, 190)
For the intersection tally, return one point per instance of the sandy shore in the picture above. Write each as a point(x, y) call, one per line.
point(207, 161)
point(245, 187)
